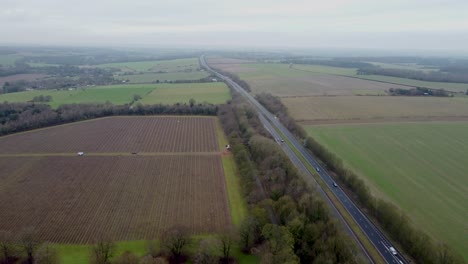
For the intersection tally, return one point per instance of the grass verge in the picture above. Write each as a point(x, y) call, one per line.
point(366, 243)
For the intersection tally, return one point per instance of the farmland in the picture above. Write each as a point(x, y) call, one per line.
point(375, 108)
point(214, 93)
point(119, 134)
point(283, 81)
point(140, 196)
point(161, 77)
point(177, 65)
point(316, 80)
point(455, 87)
point(116, 94)
point(421, 167)
point(110, 191)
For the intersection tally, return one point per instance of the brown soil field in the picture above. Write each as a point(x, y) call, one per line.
point(119, 134)
point(17, 77)
point(359, 109)
point(77, 199)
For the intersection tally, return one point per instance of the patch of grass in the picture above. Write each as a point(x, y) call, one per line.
point(214, 93)
point(237, 204)
point(421, 167)
point(171, 76)
point(178, 65)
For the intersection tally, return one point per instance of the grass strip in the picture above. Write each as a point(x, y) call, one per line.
point(366, 243)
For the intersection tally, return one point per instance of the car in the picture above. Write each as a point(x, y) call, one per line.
point(318, 169)
point(282, 140)
point(393, 251)
point(334, 184)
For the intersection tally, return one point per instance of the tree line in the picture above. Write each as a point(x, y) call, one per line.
point(430, 76)
point(287, 220)
point(16, 117)
point(174, 245)
point(419, 91)
point(393, 220)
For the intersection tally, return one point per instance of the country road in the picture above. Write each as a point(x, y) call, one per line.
point(298, 154)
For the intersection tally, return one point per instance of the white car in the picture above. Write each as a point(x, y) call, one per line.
point(392, 250)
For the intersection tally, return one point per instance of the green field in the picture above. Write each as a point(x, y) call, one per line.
point(214, 93)
point(171, 76)
point(357, 108)
point(178, 65)
point(421, 167)
point(116, 94)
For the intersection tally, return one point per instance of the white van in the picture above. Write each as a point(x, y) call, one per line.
point(392, 250)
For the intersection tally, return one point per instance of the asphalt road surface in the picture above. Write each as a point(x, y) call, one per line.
point(380, 242)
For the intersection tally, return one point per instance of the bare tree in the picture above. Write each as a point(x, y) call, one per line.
point(46, 254)
point(205, 253)
point(29, 241)
point(7, 243)
point(225, 243)
point(102, 251)
point(175, 240)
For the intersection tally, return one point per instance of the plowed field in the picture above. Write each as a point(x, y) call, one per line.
point(178, 180)
point(119, 134)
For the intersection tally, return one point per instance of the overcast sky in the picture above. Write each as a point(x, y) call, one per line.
point(376, 24)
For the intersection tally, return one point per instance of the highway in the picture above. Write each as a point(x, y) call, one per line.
point(377, 238)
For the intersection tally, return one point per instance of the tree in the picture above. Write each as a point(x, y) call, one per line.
point(191, 102)
point(29, 242)
point(136, 97)
point(6, 245)
point(246, 232)
point(175, 240)
point(279, 245)
point(46, 254)
point(225, 243)
point(102, 251)
point(205, 254)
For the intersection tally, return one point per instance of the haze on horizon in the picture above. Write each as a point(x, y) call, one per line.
point(354, 24)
